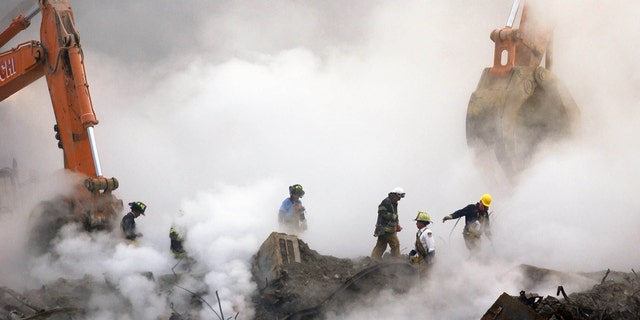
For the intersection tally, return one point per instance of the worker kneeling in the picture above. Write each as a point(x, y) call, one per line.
point(425, 248)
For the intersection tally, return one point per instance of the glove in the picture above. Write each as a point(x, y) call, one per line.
point(398, 228)
point(447, 217)
point(412, 253)
point(378, 230)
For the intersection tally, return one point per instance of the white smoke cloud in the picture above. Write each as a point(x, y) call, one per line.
point(217, 119)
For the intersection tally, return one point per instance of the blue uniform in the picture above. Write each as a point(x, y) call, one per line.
point(291, 214)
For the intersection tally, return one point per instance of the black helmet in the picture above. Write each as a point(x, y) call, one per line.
point(296, 190)
point(138, 206)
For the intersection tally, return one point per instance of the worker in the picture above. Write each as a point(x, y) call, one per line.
point(425, 247)
point(291, 215)
point(476, 222)
point(387, 225)
point(176, 243)
point(128, 223)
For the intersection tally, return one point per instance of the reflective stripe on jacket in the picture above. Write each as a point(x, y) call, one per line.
point(388, 215)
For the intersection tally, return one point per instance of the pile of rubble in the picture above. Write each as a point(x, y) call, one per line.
point(296, 282)
point(62, 299)
point(302, 284)
point(616, 297)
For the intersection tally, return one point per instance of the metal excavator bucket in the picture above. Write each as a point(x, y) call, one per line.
point(512, 115)
point(519, 104)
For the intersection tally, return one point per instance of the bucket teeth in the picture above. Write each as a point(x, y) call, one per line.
point(510, 116)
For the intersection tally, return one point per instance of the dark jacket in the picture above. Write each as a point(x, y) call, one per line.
point(471, 214)
point(128, 226)
point(176, 242)
point(387, 215)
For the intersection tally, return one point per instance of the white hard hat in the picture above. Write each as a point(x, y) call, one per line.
point(397, 190)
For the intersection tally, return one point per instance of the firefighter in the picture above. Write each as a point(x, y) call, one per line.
point(387, 225)
point(425, 247)
point(128, 223)
point(176, 243)
point(477, 222)
point(291, 215)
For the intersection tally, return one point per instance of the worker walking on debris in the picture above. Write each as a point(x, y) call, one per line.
point(176, 243)
point(476, 222)
point(128, 223)
point(176, 237)
point(387, 225)
point(291, 215)
point(425, 247)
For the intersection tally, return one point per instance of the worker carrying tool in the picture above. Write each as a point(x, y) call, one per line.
point(476, 222)
point(388, 226)
point(291, 215)
point(425, 246)
point(128, 223)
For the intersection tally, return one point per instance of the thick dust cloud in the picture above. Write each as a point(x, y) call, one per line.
point(209, 110)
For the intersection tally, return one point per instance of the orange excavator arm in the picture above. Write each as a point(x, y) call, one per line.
point(19, 67)
point(18, 24)
point(525, 46)
point(519, 104)
point(68, 87)
point(58, 57)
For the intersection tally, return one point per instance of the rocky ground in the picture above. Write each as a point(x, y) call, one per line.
point(322, 285)
point(326, 285)
point(617, 296)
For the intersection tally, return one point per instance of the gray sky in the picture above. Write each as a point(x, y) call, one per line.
point(215, 107)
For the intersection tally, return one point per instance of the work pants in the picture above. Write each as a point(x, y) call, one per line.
point(381, 245)
point(423, 264)
point(471, 240)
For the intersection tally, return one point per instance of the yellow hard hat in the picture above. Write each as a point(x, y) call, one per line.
point(423, 216)
point(486, 200)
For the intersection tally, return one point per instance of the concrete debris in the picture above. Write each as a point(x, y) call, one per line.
point(617, 298)
point(296, 282)
point(318, 285)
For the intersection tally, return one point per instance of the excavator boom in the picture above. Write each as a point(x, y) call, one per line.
point(66, 79)
point(57, 56)
point(19, 67)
